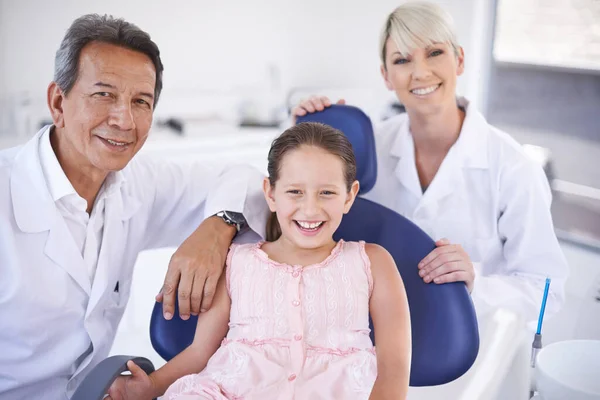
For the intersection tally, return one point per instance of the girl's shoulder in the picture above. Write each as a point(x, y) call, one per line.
point(373, 250)
point(368, 250)
point(237, 250)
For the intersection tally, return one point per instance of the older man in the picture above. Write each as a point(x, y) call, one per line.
point(76, 208)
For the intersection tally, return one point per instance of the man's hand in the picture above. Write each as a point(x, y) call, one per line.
point(137, 386)
point(195, 269)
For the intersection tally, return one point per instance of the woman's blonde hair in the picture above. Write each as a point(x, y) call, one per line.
point(417, 25)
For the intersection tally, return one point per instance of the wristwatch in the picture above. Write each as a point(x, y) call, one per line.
point(234, 219)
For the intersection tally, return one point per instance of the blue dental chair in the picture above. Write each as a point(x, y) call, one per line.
point(445, 338)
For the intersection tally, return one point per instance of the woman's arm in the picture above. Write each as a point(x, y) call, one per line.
point(391, 321)
point(530, 247)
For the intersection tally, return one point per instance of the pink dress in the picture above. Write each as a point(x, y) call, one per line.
point(294, 332)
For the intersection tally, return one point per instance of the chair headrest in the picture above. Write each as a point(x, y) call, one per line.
point(357, 126)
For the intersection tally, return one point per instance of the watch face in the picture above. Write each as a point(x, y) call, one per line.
point(235, 217)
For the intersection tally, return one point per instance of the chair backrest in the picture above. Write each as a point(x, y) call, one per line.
point(445, 338)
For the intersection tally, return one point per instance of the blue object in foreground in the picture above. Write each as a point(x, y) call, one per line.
point(543, 309)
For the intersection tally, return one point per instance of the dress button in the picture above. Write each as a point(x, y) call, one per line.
point(296, 274)
point(298, 337)
point(296, 303)
point(291, 377)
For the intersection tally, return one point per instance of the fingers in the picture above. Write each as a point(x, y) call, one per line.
point(184, 293)
point(135, 369)
point(210, 288)
point(159, 296)
point(197, 293)
point(443, 269)
point(167, 293)
point(313, 104)
point(442, 242)
point(298, 112)
point(456, 276)
point(440, 255)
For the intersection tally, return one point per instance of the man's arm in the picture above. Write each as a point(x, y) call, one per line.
point(186, 198)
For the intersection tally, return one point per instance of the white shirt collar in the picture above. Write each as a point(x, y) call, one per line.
point(471, 144)
point(58, 183)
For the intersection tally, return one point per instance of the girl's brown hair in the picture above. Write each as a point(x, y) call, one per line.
point(308, 134)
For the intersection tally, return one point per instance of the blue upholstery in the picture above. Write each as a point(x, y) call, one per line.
point(445, 339)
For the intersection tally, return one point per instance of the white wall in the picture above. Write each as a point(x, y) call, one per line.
point(3, 36)
point(227, 46)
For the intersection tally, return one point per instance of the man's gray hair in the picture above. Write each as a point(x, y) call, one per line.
point(107, 29)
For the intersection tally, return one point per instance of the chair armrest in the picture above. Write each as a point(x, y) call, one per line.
point(95, 385)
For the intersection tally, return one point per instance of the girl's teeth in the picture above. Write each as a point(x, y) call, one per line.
point(309, 225)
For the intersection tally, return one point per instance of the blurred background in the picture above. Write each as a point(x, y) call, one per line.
point(234, 69)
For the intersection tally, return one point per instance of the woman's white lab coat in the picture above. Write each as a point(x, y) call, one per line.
point(54, 324)
point(488, 196)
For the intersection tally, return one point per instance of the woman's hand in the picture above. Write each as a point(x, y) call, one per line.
point(447, 263)
point(313, 104)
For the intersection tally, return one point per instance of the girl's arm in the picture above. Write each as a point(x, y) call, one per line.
point(391, 322)
point(210, 331)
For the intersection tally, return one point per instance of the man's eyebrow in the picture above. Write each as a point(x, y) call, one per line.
point(102, 84)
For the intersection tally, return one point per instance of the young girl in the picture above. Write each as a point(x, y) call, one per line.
point(297, 307)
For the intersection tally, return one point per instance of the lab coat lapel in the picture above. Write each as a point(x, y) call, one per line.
point(61, 248)
point(118, 208)
point(406, 171)
point(35, 212)
point(447, 179)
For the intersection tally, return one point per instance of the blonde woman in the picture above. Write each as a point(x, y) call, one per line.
point(467, 184)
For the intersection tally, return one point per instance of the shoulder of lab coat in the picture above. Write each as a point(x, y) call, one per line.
point(530, 245)
point(182, 195)
point(386, 133)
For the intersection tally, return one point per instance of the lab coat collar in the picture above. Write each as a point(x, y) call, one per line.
point(403, 148)
point(33, 206)
point(35, 213)
point(469, 151)
point(58, 183)
point(471, 145)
